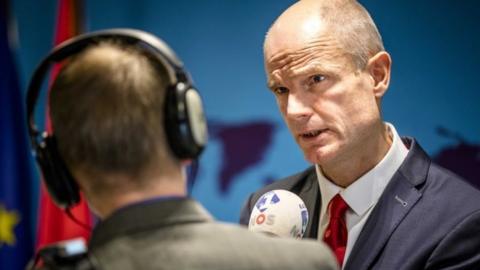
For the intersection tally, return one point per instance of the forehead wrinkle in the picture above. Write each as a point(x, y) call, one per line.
point(324, 49)
point(315, 66)
point(312, 66)
point(313, 45)
point(274, 79)
point(313, 56)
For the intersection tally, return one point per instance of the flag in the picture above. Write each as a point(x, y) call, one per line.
point(16, 241)
point(53, 223)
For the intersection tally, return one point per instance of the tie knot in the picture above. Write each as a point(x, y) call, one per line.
point(338, 207)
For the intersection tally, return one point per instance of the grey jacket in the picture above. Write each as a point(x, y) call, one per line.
point(180, 234)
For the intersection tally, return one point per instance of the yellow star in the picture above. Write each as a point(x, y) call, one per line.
point(8, 220)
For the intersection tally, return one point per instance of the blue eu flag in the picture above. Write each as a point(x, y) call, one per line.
point(16, 244)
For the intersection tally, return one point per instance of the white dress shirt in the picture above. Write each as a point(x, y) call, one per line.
point(362, 195)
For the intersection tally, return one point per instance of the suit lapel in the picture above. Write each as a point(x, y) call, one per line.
point(397, 200)
point(310, 195)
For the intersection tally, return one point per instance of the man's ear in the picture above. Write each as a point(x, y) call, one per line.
point(379, 67)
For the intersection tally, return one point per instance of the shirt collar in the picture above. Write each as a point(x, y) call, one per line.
point(366, 190)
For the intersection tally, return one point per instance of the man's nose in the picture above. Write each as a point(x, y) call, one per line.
point(298, 107)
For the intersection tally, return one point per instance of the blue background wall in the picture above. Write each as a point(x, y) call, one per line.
point(435, 47)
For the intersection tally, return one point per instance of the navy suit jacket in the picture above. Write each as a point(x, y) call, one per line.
point(426, 218)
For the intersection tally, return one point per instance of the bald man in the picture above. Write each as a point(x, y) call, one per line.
point(374, 197)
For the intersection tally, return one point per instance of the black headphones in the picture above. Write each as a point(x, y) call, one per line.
point(185, 123)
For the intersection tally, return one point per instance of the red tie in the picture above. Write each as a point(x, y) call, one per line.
point(336, 233)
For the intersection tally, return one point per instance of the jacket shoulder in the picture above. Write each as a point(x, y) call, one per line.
point(460, 196)
point(259, 251)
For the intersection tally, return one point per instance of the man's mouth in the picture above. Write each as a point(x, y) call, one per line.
point(312, 133)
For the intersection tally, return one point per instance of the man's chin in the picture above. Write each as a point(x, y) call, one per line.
point(320, 156)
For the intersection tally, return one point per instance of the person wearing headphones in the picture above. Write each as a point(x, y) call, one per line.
point(126, 120)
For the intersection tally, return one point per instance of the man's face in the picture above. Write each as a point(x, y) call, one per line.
point(328, 105)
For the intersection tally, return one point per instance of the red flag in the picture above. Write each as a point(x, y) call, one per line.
point(53, 223)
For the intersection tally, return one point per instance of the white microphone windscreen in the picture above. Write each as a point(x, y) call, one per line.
point(280, 213)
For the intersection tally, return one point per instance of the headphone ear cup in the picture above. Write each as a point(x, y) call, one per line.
point(185, 123)
point(57, 178)
point(196, 119)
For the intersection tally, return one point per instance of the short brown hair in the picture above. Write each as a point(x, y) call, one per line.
point(107, 109)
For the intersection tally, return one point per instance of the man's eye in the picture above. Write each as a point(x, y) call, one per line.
point(280, 90)
point(317, 78)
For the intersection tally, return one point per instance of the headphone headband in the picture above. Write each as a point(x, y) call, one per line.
point(77, 44)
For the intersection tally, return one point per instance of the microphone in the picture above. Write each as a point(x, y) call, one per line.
point(280, 213)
